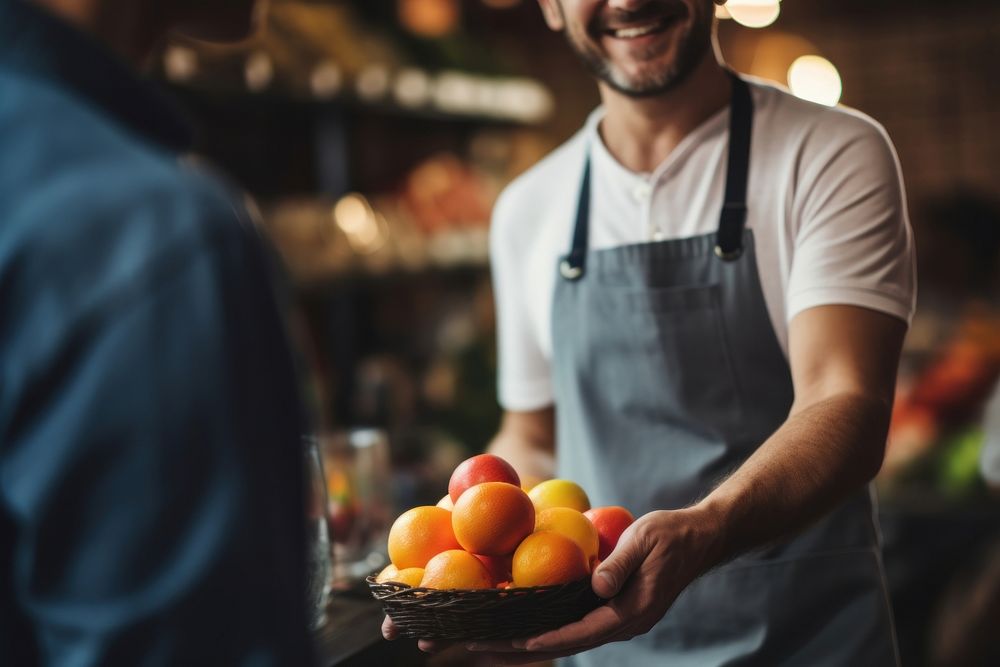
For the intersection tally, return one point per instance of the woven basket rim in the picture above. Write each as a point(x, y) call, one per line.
point(485, 592)
point(483, 613)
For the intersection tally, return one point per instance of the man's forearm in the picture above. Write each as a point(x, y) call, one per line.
point(529, 461)
point(526, 440)
point(819, 456)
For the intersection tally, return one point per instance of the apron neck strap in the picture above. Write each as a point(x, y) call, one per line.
point(571, 266)
point(729, 237)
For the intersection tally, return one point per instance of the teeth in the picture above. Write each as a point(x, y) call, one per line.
point(630, 33)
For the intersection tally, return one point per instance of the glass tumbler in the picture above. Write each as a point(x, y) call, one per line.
point(317, 536)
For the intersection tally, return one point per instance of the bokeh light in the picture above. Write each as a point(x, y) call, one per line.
point(754, 13)
point(815, 78)
point(429, 18)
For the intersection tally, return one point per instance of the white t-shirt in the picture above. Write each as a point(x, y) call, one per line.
point(826, 206)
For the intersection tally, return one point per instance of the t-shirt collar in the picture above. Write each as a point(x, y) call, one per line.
point(40, 46)
point(606, 163)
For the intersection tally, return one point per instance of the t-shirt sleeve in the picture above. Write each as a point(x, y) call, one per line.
point(152, 466)
point(523, 376)
point(853, 242)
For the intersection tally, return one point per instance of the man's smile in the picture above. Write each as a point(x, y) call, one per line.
point(641, 26)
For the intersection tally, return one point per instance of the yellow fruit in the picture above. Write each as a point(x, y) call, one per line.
point(455, 569)
point(446, 503)
point(573, 525)
point(411, 576)
point(559, 493)
point(547, 558)
point(387, 574)
point(420, 534)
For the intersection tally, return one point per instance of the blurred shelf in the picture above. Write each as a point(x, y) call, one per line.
point(236, 97)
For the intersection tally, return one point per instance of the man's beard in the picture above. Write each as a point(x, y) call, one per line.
point(691, 48)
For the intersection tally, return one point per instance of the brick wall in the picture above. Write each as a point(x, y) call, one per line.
point(929, 72)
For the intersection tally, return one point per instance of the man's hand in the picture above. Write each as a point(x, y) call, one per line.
point(656, 558)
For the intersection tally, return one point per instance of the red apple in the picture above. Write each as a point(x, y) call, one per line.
point(610, 523)
point(499, 567)
point(479, 469)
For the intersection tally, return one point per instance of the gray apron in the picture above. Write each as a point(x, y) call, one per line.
point(667, 376)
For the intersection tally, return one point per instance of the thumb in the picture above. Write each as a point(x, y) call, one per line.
point(611, 575)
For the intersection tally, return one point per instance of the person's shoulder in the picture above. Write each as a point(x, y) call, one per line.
point(795, 119)
point(79, 192)
point(72, 177)
point(57, 152)
point(526, 197)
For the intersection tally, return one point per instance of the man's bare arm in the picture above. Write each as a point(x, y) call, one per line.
point(527, 441)
point(844, 361)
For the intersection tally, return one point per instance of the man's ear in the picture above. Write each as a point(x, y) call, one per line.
point(553, 14)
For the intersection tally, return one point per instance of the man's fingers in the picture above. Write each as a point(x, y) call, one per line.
point(433, 645)
point(595, 628)
point(611, 575)
point(389, 630)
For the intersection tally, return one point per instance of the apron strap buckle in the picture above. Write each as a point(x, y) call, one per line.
point(569, 271)
point(728, 256)
point(729, 238)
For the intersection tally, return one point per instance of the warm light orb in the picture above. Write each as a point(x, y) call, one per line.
point(364, 227)
point(754, 13)
point(815, 79)
point(429, 18)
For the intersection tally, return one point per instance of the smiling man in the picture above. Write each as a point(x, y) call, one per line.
point(701, 302)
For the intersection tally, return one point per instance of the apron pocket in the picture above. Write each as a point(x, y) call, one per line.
point(680, 367)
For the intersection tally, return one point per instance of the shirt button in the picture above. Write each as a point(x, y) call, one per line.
point(641, 191)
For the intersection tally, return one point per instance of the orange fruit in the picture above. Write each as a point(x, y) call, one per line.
point(559, 493)
point(420, 534)
point(498, 567)
point(455, 569)
point(446, 503)
point(610, 523)
point(480, 469)
point(492, 518)
point(547, 558)
point(573, 525)
point(411, 576)
point(387, 574)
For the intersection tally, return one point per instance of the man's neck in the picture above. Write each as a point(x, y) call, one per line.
point(640, 132)
point(124, 26)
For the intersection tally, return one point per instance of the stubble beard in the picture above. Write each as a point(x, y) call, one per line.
point(692, 46)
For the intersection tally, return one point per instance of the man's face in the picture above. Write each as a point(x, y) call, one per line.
point(638, 47)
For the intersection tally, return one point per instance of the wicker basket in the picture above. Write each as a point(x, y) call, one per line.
point(458, 614)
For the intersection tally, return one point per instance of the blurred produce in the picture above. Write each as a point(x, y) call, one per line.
point(935, 437)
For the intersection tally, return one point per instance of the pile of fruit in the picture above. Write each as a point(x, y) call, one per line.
point(489, 532)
